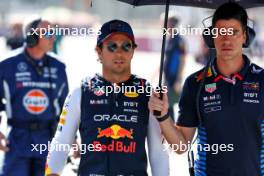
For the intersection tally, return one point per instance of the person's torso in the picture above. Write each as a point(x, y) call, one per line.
point(230, 140)
point(31, 91)
point(116, 125)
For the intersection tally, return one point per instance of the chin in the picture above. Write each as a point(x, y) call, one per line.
point(120, 70)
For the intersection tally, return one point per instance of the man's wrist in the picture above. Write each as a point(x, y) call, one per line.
point(163, 118)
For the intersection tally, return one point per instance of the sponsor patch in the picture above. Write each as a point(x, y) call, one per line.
point(210, 87)
point(22, 66)
point(62, 121)
point(36, 101)
point(98, 92)
point(200, 76)
point(47, 170)
point(115, 132)
point(212, 109)
point(99, 102)
point(253, 86)
point(131, 94)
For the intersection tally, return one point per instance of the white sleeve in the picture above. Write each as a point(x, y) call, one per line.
point(65, 134)
point(158, 157)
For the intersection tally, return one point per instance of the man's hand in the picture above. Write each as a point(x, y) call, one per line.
point(159, 105)
point(3, 143)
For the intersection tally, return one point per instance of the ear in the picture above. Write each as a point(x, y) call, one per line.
point(99, 53)
point(245, 37)
point(98, 50)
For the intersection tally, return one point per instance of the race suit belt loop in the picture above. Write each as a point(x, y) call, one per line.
point(29, 125)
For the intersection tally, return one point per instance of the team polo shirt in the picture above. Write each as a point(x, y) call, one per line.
point(230, 136)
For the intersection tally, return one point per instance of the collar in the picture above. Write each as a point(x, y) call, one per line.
point(101, 79)
point(236, 76)
point(35, 62)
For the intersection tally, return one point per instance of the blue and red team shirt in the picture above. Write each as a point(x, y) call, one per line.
point(231, 132)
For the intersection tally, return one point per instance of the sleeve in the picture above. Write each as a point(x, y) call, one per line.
point(65, 134)
point(187, 109)
point(2, 106)
point(65, 88)
point(158, 156)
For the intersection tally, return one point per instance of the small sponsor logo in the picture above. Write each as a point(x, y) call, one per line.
point(47, 169)
point(118, 118)
point(35, 101)
point(98, 92)
point(212, 103)
point(201, 74)
point(210, 87)
point(131, 94)
point(131, 110)
point(253, 86)
point(64, 112)
point(99, 102)
point(250, 95)
point(251, 101)
point(212, 97)
point(59, 128)
point(130, 104)
point(212, 109)
point(256, 71)
point(251, 98)
point(62, 121)
point(22, 66)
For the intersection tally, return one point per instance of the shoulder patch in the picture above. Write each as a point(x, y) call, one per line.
point(199, 75)
point(86, 82)
point(256, 70)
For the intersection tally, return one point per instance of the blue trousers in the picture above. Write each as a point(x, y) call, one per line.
point(22, 166)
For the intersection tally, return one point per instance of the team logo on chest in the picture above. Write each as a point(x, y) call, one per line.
point(35, 101)
point(210, 87)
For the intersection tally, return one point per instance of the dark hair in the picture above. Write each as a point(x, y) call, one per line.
point(100, 46)
point(231, 10)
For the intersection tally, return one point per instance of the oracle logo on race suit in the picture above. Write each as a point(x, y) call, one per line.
point(35, 101)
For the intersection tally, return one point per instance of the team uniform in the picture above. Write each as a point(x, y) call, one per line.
point(113, 129)
point(34, 92)
point(232, 117)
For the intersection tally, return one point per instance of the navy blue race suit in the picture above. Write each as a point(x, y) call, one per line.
point(34, 92)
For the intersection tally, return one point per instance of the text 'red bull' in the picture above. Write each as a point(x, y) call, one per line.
point(117, 146)
point(116, 132)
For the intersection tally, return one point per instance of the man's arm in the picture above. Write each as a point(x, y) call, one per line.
point(158, 156)
point(65, 134)
point(65, 89)
point(174, 135)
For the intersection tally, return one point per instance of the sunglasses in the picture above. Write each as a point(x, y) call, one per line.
point(126, 46)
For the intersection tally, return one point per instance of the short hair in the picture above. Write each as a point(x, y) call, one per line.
point(231, 10)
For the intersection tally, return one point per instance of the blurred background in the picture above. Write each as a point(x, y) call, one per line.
point(78, 53)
